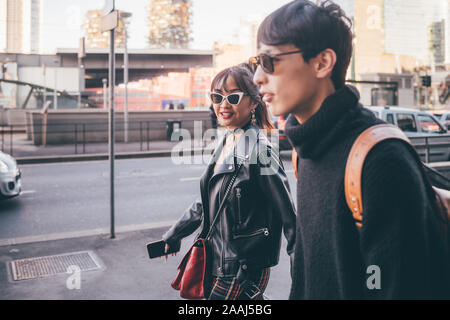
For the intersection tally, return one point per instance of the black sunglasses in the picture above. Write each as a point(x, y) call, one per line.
point(266, 61)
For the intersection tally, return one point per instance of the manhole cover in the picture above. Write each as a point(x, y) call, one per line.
point(32, 268)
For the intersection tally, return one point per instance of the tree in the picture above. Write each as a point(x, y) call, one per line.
point(170, 23)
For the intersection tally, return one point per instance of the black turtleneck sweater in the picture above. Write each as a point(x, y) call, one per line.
point(399, 233)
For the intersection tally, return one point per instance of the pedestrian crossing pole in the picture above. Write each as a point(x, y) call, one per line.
point(110, 21)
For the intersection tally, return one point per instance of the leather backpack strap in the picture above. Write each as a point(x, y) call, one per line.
point(355, 161)
point(294, 159)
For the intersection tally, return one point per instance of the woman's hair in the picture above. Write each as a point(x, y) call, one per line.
point(311, 28)
point(243, 76)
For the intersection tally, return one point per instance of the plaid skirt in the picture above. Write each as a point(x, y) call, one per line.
point(227, 288)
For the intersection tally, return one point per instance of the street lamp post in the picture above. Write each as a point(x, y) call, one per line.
point(109, 23)
point(111, 139)
point(125, 76)
point(55, 92)
point(81, 55)
point(79, 83)
point(105, 94)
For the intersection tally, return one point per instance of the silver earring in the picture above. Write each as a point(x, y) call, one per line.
point(253, 117)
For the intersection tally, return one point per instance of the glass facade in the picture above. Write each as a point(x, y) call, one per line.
point(413, 28)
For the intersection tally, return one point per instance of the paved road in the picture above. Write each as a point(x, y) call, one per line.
point(71, 198)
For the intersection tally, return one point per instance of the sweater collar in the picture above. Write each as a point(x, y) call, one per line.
point(319, 132)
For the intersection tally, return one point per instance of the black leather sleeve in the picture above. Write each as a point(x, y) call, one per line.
point(186, 225)
point(275, 186)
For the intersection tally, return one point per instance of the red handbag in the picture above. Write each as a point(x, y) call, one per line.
point(193, 278)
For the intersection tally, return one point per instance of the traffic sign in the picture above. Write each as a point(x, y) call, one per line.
point(109, 6)
point(110, 21)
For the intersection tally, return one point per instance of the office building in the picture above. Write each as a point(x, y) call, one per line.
point(20, 26)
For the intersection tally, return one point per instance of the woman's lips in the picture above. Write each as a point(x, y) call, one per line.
point(226, 115)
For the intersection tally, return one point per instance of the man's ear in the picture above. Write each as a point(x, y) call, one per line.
point(324, 63)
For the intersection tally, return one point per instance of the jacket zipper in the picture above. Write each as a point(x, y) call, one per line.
point(222, 262)
point(238, 196)
point(222, 252)
point(263, 230)
point(221, 267)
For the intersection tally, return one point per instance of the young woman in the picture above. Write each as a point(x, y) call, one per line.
point(246, 238)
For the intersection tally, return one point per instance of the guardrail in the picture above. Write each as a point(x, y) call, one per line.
point(432, 143)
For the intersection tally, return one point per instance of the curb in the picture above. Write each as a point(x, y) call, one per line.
point(105, 156)
point(85, 233)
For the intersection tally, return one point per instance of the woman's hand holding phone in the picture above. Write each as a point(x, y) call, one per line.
point(161, 248)
point(166, 249)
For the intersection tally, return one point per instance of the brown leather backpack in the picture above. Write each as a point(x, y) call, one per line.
point(353, 172)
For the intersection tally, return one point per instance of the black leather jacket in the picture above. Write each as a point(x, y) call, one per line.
point(258, 208)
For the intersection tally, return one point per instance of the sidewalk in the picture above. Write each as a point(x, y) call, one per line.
point(125, 271)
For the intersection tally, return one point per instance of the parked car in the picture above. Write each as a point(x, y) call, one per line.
point(420, 127)
point(10, 177)
point(444, 118)
point(280, 123)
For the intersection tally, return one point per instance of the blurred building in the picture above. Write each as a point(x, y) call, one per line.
point(95, 38)
point(20, 26)
point(169, 23)
point(229, 55)
point(436, 41)
point(200, 86)
point(396, 42)
point(248, 31)
point(395, 34)
point(446, 11)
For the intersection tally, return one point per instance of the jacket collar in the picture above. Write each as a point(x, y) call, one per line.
point(242, 150)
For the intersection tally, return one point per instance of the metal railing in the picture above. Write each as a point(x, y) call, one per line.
point(431, 143)
point(92, 135)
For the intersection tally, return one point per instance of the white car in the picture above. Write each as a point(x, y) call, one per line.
point(413, 122)
point(421, 128)
point(10, 177)
point(445, 119)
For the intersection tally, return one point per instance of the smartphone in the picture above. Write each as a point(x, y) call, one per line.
point(157, 249)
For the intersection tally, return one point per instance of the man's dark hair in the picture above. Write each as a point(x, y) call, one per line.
point(312, 28)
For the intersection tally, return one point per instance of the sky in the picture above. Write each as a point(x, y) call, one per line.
point(213, 20)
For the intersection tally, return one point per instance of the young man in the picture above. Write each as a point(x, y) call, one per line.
point(304, 51)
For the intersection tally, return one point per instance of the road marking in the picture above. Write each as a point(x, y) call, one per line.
point(28, 192)
point(190, 179)
point(84, 233)
point(132, 174)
